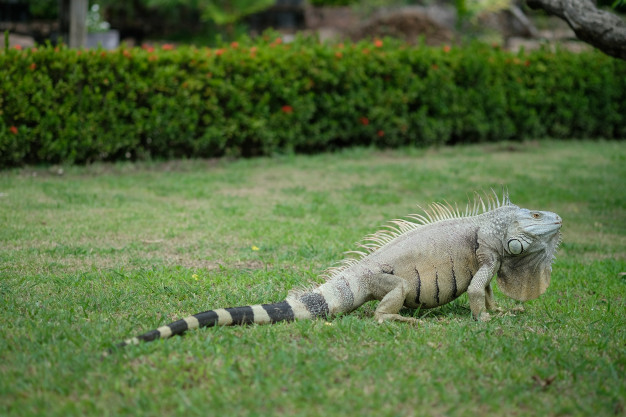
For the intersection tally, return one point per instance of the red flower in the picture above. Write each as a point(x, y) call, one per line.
point(435, 67)
point(13, 130)
point(381, 133)
point(234, 45)
point(18, 47)
point(33, 66)
point(287, 109)
point(364, 121)
point(366, 51)
point(167, 46)
point(338, 54)
point(278, 41)
point(378, 43)
point(446, 48)
point(219, 52)
point(527, 63)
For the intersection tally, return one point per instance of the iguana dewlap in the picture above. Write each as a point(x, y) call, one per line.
point(422, 263)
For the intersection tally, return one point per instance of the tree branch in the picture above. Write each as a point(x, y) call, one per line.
point(601, 29)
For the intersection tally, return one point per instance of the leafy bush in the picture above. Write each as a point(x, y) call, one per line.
point(59, 105)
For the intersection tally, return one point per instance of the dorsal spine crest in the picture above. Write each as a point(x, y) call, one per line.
point(435, 212)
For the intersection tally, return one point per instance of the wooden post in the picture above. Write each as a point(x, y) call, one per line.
point(78, 23)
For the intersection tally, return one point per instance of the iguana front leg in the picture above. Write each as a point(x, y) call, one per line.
point(480, 294)
point(391, 290)
point(490, 303)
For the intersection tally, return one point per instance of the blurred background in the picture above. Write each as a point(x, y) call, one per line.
point(207, 22)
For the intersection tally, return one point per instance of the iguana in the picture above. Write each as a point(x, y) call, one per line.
point(423, 262)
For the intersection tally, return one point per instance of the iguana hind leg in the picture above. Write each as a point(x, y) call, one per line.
point(392, 292)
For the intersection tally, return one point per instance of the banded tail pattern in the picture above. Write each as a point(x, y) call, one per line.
point(287, 310)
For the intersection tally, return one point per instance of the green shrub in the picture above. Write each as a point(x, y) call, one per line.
point(59, 105)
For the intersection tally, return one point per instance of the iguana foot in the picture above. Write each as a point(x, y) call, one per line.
point(484, 316)
point(381, 317)
point(517, 309)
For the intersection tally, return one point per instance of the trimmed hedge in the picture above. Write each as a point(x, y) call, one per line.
point(59, 105)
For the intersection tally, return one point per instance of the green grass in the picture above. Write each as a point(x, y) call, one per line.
point(104, 252)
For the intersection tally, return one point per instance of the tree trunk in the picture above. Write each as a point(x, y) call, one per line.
point(599, 28)
point(78, 23)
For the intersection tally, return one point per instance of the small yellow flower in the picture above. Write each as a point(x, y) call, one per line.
point(195, 276)
point(328, 324)
point(255, 248)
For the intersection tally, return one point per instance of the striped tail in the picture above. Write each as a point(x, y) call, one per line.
point(287, 310)
point(326, 300)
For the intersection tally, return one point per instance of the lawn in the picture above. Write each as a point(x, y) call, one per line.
point(92, 255)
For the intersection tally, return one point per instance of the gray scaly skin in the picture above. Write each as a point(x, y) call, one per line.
point(423, 263)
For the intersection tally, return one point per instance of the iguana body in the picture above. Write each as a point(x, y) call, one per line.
point(423, 263)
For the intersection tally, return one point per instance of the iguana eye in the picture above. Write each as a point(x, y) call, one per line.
point(536, 215)
point(515, 246)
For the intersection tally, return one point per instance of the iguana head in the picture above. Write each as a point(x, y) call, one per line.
point(529, 246)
